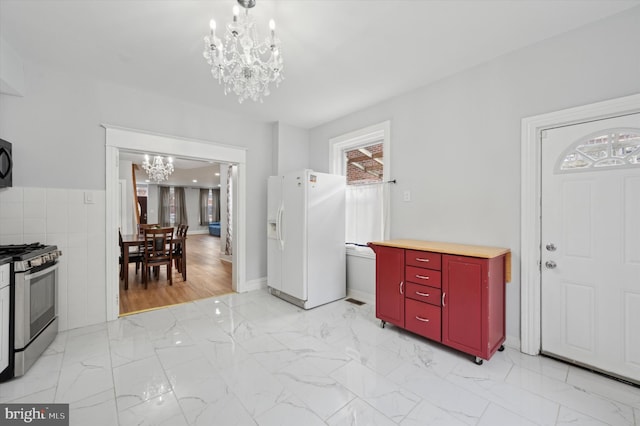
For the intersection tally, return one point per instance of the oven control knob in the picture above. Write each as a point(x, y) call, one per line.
point(36, 262)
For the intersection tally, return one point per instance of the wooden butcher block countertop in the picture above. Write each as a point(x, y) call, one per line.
point(485, 252)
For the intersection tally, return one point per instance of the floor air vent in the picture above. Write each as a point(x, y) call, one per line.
point(354, 301)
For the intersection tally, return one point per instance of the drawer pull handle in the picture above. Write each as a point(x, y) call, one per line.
point(443, 295)
point(422, 277)
point(420, 259)
point(422, 319)
point(401, 287)
point(422, 294)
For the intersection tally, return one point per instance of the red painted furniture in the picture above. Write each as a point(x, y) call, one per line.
point(450, 293)
point(389, 285)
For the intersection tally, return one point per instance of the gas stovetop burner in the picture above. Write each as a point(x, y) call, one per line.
point(28, 256)
point(20, 248)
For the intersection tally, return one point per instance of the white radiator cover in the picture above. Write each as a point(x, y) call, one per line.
point(361, 274)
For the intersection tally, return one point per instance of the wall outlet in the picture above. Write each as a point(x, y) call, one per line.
point(406, 195)
point(88, 198)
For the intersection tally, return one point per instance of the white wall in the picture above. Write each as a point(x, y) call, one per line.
point(152, 203)
point(291, 148)
point(11, 71)
point(58, 143)
point(61, 217)
point(193, 211)
point(456, 143)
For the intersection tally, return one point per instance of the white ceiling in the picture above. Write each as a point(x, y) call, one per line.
point(206, 174)
point(340, 55)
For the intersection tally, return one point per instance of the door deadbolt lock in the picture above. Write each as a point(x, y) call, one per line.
point(550, 264)
point(551, 247)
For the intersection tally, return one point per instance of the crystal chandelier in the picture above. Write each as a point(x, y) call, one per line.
point(158, 171)
point(243, 63)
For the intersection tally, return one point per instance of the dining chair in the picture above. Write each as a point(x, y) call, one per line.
point(134, 257)
point(143, 226)
point(158, 251)
point(178, 252)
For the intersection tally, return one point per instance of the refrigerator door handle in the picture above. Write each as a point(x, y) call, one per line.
point(279, 226)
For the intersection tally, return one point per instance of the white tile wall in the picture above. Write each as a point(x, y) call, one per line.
point(60, 217)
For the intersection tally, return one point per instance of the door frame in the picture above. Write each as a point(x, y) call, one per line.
point(118, 138)
point(530, 204)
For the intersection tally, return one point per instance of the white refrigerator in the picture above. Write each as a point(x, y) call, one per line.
point(306, 262)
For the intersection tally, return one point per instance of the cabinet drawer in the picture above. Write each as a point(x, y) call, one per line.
point(422, 276)
point(423, 259)
point(423, 319)
point(423, 293)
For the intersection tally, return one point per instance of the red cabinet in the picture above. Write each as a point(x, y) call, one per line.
point(473, 304)
point(423, 259)
point(423, 319)
point(390, 285)
point(422, 276)
point(453, 294)
point(423, 293)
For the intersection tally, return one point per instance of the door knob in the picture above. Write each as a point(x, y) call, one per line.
point(550, 264)
point(551, 247)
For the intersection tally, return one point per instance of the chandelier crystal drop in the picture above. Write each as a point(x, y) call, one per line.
point(158, 171)
point(242, 62)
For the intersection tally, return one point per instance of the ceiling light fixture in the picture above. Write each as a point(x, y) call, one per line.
point(158, 171)
point(242, 63)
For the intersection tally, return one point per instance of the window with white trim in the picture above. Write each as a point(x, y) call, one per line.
point(363, 157)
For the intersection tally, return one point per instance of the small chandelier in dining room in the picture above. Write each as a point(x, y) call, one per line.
point(158, 171)
point(242, 62)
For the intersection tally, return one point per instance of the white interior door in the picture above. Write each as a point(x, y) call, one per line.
point(590, 237)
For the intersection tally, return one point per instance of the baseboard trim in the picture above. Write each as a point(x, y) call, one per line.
point(256, 284)
point(512, 342)
point(362, 296)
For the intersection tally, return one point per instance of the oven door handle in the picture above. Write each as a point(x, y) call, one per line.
point(28, 277)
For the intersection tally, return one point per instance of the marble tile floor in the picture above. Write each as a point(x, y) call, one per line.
point(253, 359)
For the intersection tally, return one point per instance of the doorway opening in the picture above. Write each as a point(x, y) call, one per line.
point(188, 197)
point(122, 140)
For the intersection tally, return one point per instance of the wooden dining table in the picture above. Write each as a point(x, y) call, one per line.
point(137, 240)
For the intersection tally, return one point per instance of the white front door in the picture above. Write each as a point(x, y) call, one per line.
point(590, 247)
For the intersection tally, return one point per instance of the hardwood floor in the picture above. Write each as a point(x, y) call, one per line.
point(207, 276)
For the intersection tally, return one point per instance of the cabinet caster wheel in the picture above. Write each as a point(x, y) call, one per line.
point(478, 361)
point(382, 323)
point(501, 348)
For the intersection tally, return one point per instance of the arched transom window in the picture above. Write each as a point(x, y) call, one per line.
point(605, 149)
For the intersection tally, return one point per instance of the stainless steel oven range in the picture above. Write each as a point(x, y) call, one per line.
point(34, 303)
